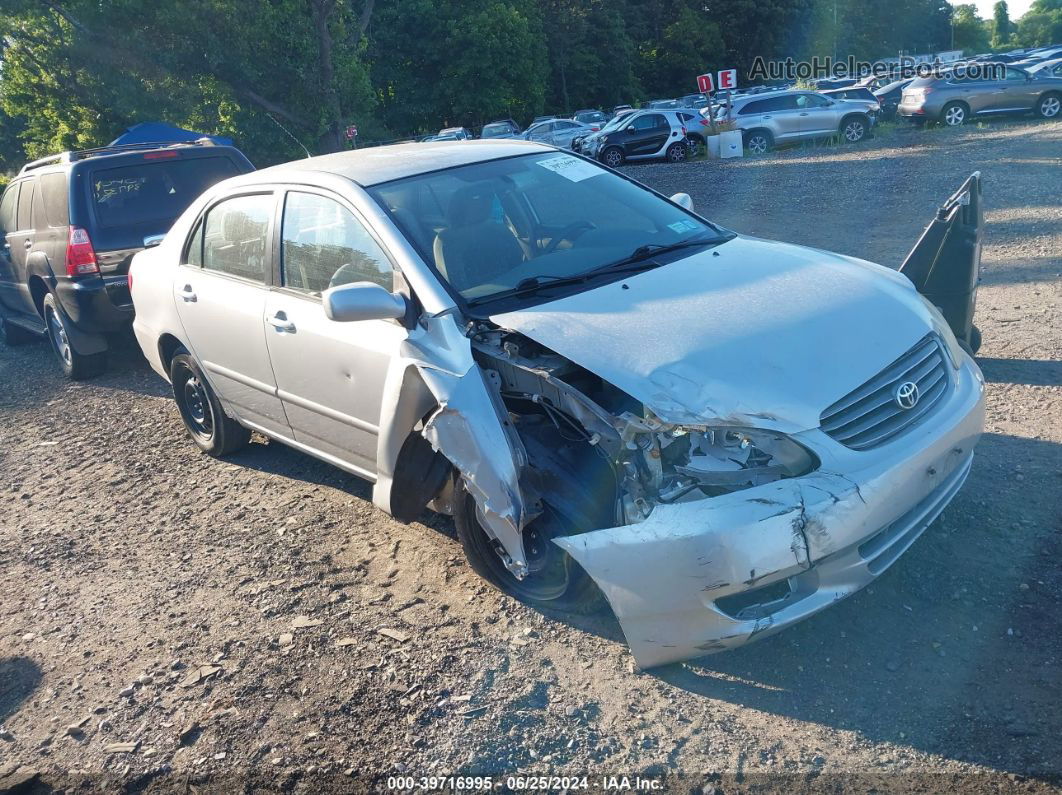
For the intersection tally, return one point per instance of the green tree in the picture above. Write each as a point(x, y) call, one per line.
point(78, 71)
point(1001, 27)
point(459, 62)
point(970, 34)
point(1041, 24)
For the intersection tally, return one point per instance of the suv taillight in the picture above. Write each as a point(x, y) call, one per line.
point(80, 256)
point(683, 130)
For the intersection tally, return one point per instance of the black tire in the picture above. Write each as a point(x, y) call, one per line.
point(555, 581)
point(76, 366)
point(759, 142)
point(974, 345)
point(1049, 106)
point(678, 153)
point(210, 428)
point(613, 157)
point(853, 129)
point(16, 335)
point(954, 114)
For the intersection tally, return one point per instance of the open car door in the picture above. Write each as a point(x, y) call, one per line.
point(945, 263)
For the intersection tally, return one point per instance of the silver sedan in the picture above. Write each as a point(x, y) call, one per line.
point(576, 368)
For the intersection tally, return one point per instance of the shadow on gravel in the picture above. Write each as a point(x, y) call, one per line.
point(1033, 372)
point(19, 677)
point(953, 651)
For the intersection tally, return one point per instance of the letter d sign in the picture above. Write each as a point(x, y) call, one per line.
point(727, 79)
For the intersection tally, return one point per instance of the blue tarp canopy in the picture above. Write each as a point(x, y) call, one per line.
point(156, 131)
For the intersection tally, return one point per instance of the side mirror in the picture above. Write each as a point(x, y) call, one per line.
point(631, 128)
point(153, 240)
point(683, 200)
point(362, 301)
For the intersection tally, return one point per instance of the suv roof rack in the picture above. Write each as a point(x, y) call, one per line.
point(81, 154)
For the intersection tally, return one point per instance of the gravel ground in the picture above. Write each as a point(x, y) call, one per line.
point(256, 622)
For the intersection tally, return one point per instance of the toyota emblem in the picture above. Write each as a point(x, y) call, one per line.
point(906, 395)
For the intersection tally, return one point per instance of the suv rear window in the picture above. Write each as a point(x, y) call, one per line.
point(154, 191)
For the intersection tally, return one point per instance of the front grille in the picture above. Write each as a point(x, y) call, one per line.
point(870, 415)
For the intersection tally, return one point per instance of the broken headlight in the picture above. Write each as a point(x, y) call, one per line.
point(714, 461)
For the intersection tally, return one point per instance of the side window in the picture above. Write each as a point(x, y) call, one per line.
point(236, 236)
point(193, 255)
point(816, 101)
point(759, 106)
point(25, 205)
point(324, 245)
point(650, 121)
point(7, 208)
point(1015, 74)
point(53, 192)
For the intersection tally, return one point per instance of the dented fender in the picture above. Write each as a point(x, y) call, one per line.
point(436, 380)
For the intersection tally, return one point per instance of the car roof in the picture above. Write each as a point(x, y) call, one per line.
point(375, 165)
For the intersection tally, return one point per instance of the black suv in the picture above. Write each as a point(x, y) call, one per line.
point(70, 225)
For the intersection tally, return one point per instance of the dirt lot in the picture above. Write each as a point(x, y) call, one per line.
point(225, 617)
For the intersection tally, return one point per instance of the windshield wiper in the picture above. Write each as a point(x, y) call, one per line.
point(649, 250)
point(637, 260)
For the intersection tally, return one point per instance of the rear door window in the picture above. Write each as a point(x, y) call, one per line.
point(154, 190)
point(236, 237)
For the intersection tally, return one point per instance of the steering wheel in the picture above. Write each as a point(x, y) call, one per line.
point(569, 233)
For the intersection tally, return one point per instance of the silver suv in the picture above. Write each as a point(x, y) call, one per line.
point(787, 116)
point(954, 97)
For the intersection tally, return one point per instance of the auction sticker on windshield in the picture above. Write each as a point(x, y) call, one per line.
point(569, 167)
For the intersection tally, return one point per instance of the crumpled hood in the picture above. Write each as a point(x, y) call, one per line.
point(752, 332)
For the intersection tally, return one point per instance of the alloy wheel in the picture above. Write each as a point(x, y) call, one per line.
point(853, 131)
point(613, 158)
point(1050, 106)
point(59, 340)
point(676, 154)
point(955, 116)
point(758, 144)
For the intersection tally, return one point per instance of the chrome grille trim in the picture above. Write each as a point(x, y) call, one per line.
point(868, 416)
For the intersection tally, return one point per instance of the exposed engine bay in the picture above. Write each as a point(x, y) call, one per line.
point(650, 462)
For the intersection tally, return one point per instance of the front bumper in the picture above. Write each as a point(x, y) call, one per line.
point(713, 574)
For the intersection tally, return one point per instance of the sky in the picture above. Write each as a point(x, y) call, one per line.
point(984, 7)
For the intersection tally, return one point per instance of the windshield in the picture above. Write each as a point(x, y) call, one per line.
point(594, 117)
point(616, 121)
point(492, 130)
point(487, 227)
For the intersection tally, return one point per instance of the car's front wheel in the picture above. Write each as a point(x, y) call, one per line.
point(613, 157)
point(210, 428)
point(676, 153)
point(76, 366)
point(954, 114)
point(553, 578)
point(853, 130)
point(1049, 106)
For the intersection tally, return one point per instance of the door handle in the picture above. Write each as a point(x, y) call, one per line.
point(766, 117)
point(188, 294)
point(804, 113)
point(280, 322)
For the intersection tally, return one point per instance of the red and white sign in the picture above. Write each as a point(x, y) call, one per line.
point(352, 132)
point(704, 84)
point(728, 79)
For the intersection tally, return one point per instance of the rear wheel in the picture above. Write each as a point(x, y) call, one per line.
point(76, 366)
point(954, 114)
point(208, 425)
point(1049, 106)
point(613, 157)
point(676, 153)
point(758, 142)
point(16, 335)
